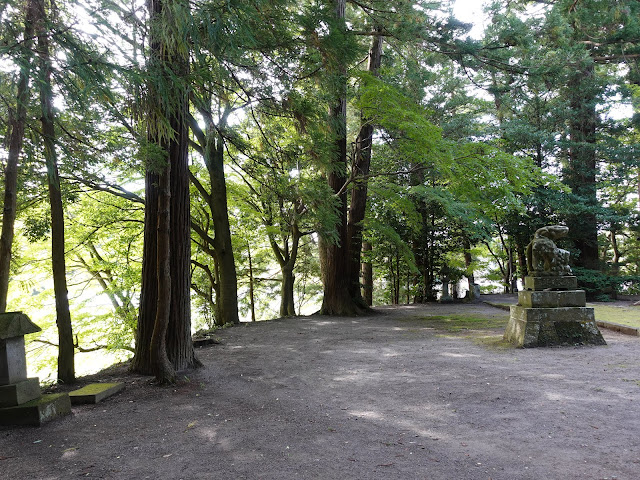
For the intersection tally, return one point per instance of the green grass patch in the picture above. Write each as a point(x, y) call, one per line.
point(463, 323)
point(623, 315)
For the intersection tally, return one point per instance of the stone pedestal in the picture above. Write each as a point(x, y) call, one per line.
point(552, 312)
point(20, 399)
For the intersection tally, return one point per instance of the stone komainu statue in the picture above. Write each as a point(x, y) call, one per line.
point(543, 257)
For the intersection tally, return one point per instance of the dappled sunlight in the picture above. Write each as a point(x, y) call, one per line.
point(323, 323)
point(358, 377)
point(70, 453)
point(458, 355)
point(366, 414)
point(558, 397)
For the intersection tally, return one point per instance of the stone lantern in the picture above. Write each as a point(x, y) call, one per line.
point(20, 400)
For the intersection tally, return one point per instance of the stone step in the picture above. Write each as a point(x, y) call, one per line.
point(618, 327)
point(38, 411)
point(94, 392)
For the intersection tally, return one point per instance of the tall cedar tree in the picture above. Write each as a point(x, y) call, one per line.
point(165, 295)
point(66, 368)
point(335, 256)
point(17, 120)
point(603, 34)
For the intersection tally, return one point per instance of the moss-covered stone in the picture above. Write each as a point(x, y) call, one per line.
point(38, 411)
point(94, 392)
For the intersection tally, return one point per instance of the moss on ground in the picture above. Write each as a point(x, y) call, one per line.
point(493, 342)
point(624, 315)
point(462, 323)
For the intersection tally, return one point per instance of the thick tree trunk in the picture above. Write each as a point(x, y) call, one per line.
point(580, 173)
point(367, 276)
point(142, 362)
point(162, 368)
point(287, 306)
point(17, 119)
point(66, 368)
point(361, 168)
point(179, 345)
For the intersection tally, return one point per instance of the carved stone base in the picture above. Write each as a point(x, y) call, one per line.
point(544, 327)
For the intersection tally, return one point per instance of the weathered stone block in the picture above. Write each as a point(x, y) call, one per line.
point(542, 327)
point(19, 393)
point(552, 299)
point(36, 412)
point(95, 392)
point(568, 282)
point(13, 361)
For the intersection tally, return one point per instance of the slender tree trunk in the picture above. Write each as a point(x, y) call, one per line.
point(17, 119)
point(367, 276)
point(251, 296)
point(469, 272)
point(615, 262)
point(66, 368)
point(522, 260)
point(362, 164)
point(228, 282)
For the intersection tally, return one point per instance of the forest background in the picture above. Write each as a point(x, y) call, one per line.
point(177, 165)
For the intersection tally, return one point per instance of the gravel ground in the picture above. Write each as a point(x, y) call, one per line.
point(386, 396)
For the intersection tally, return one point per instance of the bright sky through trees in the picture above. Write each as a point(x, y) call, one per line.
point(471, 11)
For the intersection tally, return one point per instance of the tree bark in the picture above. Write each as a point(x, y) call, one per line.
point(17, 119)
point(66, 367)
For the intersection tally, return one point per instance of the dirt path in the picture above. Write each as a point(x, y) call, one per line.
point(381, 397)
